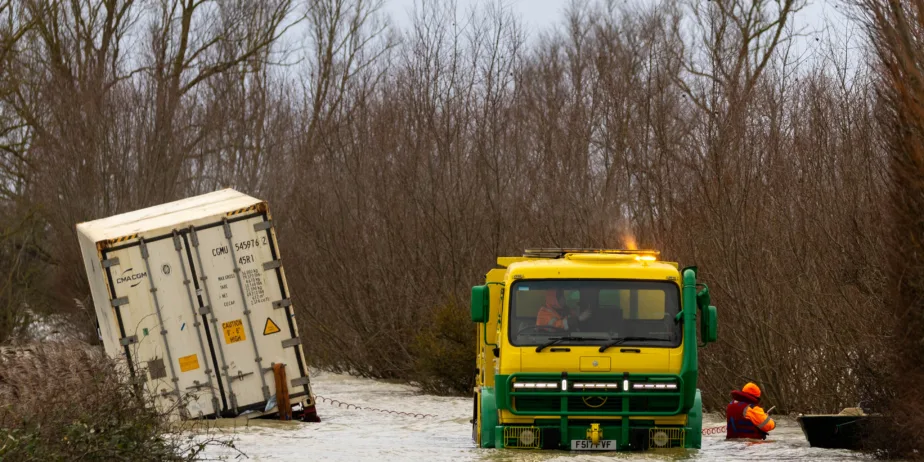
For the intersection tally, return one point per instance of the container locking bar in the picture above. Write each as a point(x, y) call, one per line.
point(208, 310)
point(240, 285)
point(192, 306)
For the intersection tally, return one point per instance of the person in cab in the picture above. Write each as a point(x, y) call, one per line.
point(745, 418)
point(553, 314)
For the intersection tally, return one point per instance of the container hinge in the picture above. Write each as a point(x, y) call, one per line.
point(291, 342)
point(117, 302)
point(205, 310)
point(300, 381)
point(272, 265)
point(144, 249)
point(282, 303)
point(263, 225)
point(110, 262)
point(165, 393)
point(193, 236)
point(126, 341)
point(227, 227)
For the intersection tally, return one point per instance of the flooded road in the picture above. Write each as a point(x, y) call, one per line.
point(348, 434)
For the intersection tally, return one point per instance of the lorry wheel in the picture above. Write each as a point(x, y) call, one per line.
point(475, 422)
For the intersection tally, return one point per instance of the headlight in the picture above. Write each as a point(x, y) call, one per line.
point(535, 385)
point(654, 386)
point(595, 385)
point(527, 438)
point(660, 439)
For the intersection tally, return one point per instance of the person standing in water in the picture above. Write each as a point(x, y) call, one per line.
point(745, 418)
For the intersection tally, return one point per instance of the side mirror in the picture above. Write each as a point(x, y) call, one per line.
point(481, 303)
point(709, 324)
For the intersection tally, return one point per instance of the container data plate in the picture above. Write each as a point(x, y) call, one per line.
point(587, 445)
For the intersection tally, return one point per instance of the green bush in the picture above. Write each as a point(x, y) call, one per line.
point(444, 352)
point(69, 402)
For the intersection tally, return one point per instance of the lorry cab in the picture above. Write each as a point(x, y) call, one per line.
point(589, 349)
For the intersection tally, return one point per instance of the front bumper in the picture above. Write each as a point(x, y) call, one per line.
point(565, 412)
point(639, 437)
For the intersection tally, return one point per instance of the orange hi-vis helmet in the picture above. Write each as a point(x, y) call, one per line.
point(752, 389)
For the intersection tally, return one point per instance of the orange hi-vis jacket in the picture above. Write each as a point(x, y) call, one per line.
point(551, 318)
point(549, 315)
point(746, 419)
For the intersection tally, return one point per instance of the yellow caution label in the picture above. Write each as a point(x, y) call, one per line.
point(234, 331)
point(270, 327)
point(189, 363)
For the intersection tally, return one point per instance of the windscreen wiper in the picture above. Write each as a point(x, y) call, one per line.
point(554, 340)
point(618, 341)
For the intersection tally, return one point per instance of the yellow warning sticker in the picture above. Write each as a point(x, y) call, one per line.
point(270, 327)
point(189, 363)
point(234, 331)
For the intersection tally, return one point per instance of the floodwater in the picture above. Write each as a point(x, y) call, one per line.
point(350, 434)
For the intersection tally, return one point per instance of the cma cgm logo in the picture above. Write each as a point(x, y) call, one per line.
point(128, 276)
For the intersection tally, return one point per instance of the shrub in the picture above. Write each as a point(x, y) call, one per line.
point(444, 352)
point(69, 402)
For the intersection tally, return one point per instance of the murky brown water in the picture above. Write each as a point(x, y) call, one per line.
point(351, 434)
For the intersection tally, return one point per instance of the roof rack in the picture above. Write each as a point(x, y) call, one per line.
point(560, 252)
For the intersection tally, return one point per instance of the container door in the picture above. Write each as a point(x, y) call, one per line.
point(243, 285)
point(162, 330)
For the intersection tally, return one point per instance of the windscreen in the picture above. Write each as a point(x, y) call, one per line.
point(638, 312)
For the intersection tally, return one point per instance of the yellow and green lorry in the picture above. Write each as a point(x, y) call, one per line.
point(621, 375)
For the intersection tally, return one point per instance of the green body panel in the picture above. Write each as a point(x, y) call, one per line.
point(487, 417)
point(499, 437)
point(694, 432)
point(500, 393)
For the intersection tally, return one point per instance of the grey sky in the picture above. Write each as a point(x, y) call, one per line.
point(541, 14)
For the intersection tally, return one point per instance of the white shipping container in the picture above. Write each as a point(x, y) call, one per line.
point(193, 295)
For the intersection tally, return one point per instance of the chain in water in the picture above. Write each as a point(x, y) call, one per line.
point(346, 405)
point(706, 431)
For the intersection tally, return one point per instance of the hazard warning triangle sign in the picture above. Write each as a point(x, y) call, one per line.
point(270, 327)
